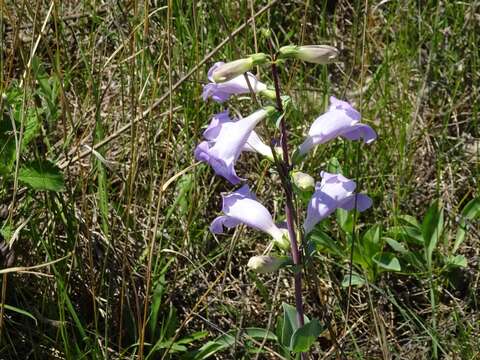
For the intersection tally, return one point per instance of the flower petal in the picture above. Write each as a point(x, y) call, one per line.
point(214, 67)
point(363, 202)
point(320, 206)
point(220, 222)
point(219, 123)
point(228, 138)
point(335, 191)
point(360, 131)
point(336, 104)
point(336, 186)
point(242, 207)
point(341, 119)
point(221, 92)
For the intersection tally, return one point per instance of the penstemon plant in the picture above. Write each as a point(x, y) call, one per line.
point(227, 137)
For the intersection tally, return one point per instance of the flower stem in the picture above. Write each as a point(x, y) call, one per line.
point(289, 203)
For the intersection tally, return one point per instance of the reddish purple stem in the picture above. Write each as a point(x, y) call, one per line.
point(289, 207)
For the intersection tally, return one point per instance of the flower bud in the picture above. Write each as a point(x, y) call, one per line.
point(238, 67)
point(303, 181)
point(269, 94)
point(318, 54)
point(266, 264)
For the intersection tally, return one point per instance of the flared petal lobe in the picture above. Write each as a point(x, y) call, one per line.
point(241, 207)
point(341, 119)
point(226, 139)
point(221, 92)
point(334, 191)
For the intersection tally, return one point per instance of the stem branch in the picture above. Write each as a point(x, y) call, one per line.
point(284, 169)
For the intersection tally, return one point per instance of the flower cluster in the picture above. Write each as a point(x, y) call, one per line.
point(226, 138)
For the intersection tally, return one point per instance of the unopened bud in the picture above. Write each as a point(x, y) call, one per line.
point(269, 94)
point(266, 264)
point(235, 68)
point(303, 181)
point(318, 54)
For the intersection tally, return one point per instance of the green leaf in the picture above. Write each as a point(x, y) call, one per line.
point(395, 245)
point(334, 166)
point(227, 340)
point(432, 228)
point(324, 243)
point(183, 188)
point(387, 261)
point(408, 234)
point(259, 334)
point(42, 175)
point(469, 212)
point(7, 231)
point(212, 347)
point(290, 324)
point(345, 220)
point(357, 280)
point(304, 337)
point(371, 241)
point(31, 128)
point(7, 145)
point(20, 311)
point(409, 220)
point(159, 289)
point(456, 261)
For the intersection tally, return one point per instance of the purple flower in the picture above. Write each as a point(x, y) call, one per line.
point(334, 191)
point(242, 207)
point(226, 139)
point(221, 92)
point(341, 119)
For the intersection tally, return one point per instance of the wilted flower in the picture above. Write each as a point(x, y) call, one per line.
point(266, 264)
point(318, 54)
point(341, 119)
point(242, 207)
point(334, 191)
point(225, 141)
point(232, 69)
point(221, 92)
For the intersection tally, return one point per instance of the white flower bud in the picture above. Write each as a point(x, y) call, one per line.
point(303, 181)
point(238, 67)
point(318, 54)
point(266, 264)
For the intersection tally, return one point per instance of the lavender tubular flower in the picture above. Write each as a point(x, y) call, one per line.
point(242, 207)
point(225, 141)
point(334, 191)
point(341, 119)
point(221, 126)
point(221, 92)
